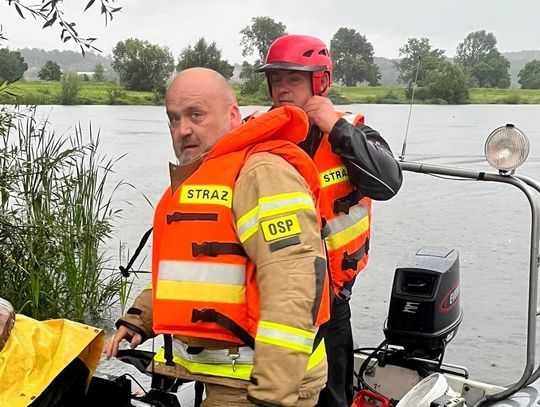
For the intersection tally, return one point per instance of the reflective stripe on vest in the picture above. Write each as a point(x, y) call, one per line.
point(241, 370)
point(285, 336)
point(346, 227)
point(248, 224)
point(201, 281)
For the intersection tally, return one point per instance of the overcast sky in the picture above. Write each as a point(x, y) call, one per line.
point(387, 24)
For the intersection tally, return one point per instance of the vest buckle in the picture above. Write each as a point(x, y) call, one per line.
point(234, 354)
point(345, 203)
point(341, 205)
point(349, 262)
point(204, 315)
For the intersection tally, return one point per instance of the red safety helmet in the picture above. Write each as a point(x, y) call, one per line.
point(300, 53)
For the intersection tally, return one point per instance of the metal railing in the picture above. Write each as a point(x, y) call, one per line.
point(524, 184)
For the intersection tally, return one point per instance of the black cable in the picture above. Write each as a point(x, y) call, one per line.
point(365, 364)
point(138, 384)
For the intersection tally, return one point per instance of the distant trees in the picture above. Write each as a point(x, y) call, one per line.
point(352, 55)
point(417, 54)
point(69, 89)
point(438, 78)
point(529, 76)
point(447, 82)
point(482, 62)
point(205, 55)
point(50, 71)
point(12, 65)
point(141, 65)
point(258, 37)
point(99, 73)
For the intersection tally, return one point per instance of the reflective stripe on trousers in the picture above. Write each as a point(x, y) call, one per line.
point(242, 369)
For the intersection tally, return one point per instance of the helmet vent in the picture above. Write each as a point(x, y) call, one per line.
point(323, 52)
point(308, 53)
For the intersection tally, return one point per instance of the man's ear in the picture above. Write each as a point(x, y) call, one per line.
point(325, 83)
point(236, 117)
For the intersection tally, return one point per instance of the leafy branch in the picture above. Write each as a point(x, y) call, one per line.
point(50, 11)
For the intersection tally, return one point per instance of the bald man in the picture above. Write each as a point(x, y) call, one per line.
point(238, 269)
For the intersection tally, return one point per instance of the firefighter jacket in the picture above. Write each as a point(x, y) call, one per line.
point(237, 255)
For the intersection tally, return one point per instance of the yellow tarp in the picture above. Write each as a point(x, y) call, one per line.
point(36, 352)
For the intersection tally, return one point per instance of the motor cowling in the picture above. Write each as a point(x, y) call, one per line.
point(425, 310)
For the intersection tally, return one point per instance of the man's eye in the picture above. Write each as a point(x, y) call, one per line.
point(196, 115)
point(173, 122)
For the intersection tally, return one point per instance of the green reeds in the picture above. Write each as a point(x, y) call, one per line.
point(55, 215)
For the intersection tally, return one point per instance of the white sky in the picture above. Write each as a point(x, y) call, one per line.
point(387, 24)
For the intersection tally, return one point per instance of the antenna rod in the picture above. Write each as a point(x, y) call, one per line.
point(404, 147)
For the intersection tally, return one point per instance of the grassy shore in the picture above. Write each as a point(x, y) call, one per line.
point(106, 93)
point(476, 95)
point(91, 93)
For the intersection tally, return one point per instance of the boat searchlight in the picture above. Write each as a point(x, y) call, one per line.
point(506, 148)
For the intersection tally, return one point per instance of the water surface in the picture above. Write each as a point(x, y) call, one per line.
point(487, 224)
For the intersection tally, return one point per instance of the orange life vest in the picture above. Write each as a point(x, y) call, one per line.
point(199, 268)
point(346, 216)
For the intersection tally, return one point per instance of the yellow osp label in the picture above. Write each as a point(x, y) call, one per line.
point(280, 227)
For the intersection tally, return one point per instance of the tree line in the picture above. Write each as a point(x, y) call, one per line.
point(143, 66)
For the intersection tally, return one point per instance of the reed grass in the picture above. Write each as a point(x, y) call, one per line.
point(55, 215)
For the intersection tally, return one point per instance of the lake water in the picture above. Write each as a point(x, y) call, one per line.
point(487, 224)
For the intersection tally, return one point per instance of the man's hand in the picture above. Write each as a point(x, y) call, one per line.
point(111, 347)
point(321, 112)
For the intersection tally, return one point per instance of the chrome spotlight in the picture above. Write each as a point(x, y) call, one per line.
point(506, 148)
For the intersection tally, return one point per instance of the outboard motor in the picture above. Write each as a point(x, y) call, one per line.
point(425, 310)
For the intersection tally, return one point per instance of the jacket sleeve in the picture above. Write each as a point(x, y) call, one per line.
point(285, 246)
point(369, 161)
point(139, 316)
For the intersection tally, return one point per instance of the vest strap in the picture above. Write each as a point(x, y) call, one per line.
point(125, 270)
point(346, 290)
point(214, 249)
point(167, 346)
point(199, 389)
point(182, 216)
point(319, 336)
point(350, 261)
point(194, 350)
point(345, 203)
point(211, 315)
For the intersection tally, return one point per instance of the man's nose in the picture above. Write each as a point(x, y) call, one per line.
point(282, 88)
point(183, 129)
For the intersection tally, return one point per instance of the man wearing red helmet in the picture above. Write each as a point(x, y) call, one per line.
point(355, 165)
